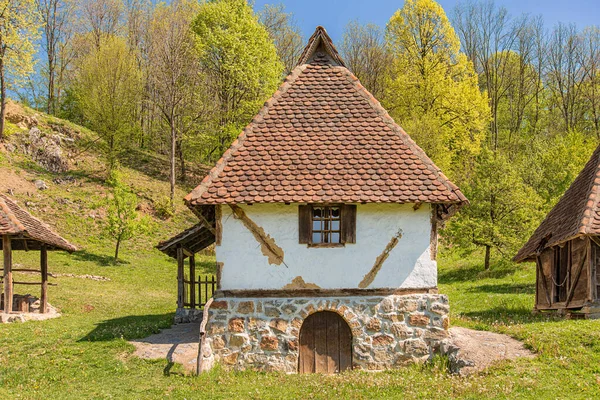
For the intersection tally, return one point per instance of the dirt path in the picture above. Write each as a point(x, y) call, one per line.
point(177, 344)
point(480, 349)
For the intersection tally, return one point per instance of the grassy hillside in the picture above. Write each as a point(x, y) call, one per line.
point(85, 353)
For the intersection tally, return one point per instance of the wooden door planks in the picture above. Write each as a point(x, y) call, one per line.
point(325, 344)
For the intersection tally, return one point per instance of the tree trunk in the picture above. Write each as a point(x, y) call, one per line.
point(117, 250)
point(181, 160)
point(172, 159)
point(487, 257)
point(2, 99)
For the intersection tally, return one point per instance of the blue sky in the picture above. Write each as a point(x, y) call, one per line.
point(334, 14)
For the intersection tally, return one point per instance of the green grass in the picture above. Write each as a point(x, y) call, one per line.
point(86, 354)
point(87, 351)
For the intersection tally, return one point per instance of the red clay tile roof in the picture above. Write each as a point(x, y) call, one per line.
point(15, 221)
point(323, 137)
point(576, 213)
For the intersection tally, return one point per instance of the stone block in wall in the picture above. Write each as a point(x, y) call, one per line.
point(388, 332)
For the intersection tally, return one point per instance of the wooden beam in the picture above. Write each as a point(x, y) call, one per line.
point(192, 262)
point(180, 284)
point(8, 285)
point(218, 225)
point(44, 270)
point(571, 291)
point(591, 271)
point(322, 292)
point(540, 275)
point(207, 224)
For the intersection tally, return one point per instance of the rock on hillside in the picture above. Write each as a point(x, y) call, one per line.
point(49, 144)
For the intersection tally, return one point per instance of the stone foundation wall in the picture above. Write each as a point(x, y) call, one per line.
point(263, 334)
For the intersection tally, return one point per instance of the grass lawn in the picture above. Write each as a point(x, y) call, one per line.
point(85, 354)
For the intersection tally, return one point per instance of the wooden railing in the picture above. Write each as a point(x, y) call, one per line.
point(198, 290)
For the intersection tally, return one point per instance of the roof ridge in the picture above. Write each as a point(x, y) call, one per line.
point(312, 45)
point(215, 171)
point(413, 146)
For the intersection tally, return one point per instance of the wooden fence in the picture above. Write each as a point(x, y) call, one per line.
point(196, 292)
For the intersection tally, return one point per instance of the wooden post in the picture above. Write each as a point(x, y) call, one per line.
point(180, 284)
point(44, 270)
point(192, 262)
point(8, 285)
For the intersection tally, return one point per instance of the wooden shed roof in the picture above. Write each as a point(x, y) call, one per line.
point(323, 137)
point(193, 239)
point(575, 214)
point(26, 231)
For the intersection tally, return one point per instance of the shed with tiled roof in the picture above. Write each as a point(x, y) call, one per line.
point(22, 231)
point(566, 247)
point(323, 200)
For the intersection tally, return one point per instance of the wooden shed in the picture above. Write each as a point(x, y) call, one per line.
point(566, 248)
point(21, 231)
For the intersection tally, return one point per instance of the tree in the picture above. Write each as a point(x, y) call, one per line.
point(123, 220)
point(102, 18)
point(433, 92)
point(503, 210)
point(365, 53)
point(108, 88)
point(565, 74)
point(19, 30)
point(175, 79)
point(591, 86)
point(285, 33)
point(241, 66)
point(56, 16)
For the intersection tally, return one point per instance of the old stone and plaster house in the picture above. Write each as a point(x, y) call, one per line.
point(325, 214)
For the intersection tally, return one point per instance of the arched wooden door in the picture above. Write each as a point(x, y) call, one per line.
point(325, 344)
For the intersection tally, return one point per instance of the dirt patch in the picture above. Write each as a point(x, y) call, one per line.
point(480, 349)
point(178, 344)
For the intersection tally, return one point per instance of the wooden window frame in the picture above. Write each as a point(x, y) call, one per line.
point(326, 231)
point(346, 231)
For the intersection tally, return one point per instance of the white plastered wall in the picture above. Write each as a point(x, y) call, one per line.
point(409, 264)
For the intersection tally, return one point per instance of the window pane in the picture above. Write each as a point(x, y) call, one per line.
point(316, 225)
point(335, 225)
point(335, 237)
point(335, 212)
point(316, 237)
point(317, 213)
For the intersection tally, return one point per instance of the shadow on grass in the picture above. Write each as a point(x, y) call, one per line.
point(130, 327)
point(509, 316)
point(100, 259)
point(505, 288)
point(475, 272)
point(157, 167)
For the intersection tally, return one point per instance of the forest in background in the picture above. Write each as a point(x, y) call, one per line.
point(507, 107)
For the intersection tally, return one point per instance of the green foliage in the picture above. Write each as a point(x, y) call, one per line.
point(241, 64)
point(551, 163)
point(503, 211)
point(434, 92)
point(19, 30)
point(123, 219)
point(164, 208)
point(108, 90)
